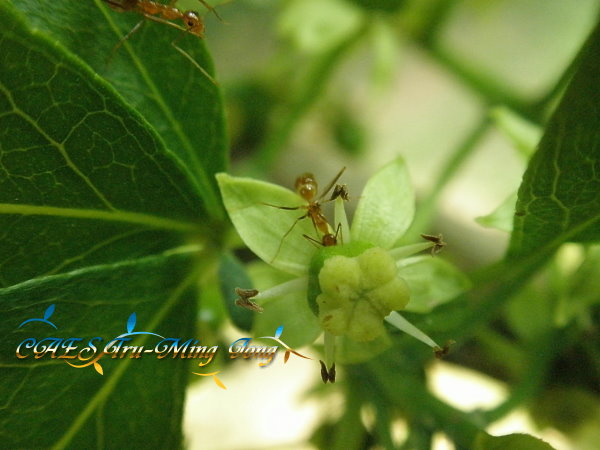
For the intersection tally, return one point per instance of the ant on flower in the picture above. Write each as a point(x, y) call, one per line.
point(307, 187)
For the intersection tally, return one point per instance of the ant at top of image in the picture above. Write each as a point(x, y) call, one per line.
point(164, 13)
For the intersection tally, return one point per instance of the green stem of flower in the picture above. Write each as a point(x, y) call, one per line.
point(405, 251)
point(329, 342)
point(295, 285)
point(310, 92)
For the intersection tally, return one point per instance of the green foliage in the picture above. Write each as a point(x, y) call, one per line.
point(45, 407)
point(183, 106)
point(558, 199)
point(94, 205)
point(85, 179)
point(109, 206)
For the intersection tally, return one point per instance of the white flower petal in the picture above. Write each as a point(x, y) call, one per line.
point(262, 227)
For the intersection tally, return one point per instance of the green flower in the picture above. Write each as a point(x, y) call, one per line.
point(358, 293)
point(351, 287)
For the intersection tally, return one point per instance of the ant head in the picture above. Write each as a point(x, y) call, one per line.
point(306, 186)
point(193, 23)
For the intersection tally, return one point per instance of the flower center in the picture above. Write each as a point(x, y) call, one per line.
point(354, 288)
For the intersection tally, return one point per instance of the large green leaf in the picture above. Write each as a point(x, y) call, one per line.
point(559, 199)
point(172, 95)
point(83, 178)
point(47, 403)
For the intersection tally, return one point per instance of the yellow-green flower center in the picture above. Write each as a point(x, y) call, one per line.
point(358, 292)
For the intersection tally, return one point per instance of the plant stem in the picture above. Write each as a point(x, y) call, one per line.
point(316, 81)
point(426, 210)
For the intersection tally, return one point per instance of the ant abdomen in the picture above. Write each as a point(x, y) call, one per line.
point(306, 186)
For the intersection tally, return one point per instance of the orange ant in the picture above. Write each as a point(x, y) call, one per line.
point(307, 188)
point(192, 22)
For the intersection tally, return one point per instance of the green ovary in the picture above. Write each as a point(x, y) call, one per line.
point(358, 292)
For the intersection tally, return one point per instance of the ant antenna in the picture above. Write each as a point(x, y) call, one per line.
point(187, 56)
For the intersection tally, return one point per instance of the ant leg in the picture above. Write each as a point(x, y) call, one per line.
point(122, 41)
point(212, 10)
point(287, 208)
point(313, 241)
point(193, 61)
point(338, 231)
point(286, 235)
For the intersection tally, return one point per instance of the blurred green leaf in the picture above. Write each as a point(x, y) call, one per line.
point(182, 105)
point(559, 199)
point(316, 26)
point(530, 313)
point(84, 179)
point(570, 410)
point(232, 274)
point(47, 403)
point(380, 5)
point(511, 441)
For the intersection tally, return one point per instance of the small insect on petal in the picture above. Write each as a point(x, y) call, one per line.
point(438, 243)
point(244, 299)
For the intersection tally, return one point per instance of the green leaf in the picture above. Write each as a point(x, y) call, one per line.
point(316, 26)
point(267, 230)
point(432, 282)
point(83, 178)
point(386, 207)
point(512, 441)
point(179, 101)
point(389, 6)
point(559, 199)
point(47, 403)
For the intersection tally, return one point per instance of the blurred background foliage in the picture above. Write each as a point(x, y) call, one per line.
point(462, 90)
